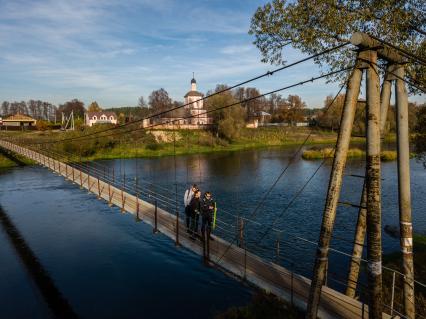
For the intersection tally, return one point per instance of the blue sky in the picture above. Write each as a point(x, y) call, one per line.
point(114, 51)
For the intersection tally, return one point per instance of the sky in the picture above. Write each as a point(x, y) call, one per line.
point(114, 51)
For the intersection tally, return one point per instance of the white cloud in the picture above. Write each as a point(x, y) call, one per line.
point(236, 49)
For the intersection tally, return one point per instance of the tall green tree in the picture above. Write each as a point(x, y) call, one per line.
point(229, 121)
point(75, 106)
point(420, 130)
point(316, 25)
point(159, 101)
point(94, 107)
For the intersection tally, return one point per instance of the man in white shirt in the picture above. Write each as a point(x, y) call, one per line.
point(189, 194)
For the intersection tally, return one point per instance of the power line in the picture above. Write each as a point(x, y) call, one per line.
point(403, 51)
point(278, 178)
point(206, 112)
point(395, 75)
point(308, 180)
point(268, 73)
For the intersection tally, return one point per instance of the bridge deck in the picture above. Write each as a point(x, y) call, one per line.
point(231, 259)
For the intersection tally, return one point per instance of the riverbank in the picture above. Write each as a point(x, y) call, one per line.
point(9, 161)
point(6, 163)
point(158, 143)
point(328, 152)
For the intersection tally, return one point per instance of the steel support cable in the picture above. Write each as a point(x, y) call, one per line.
point(300, 83)
point(299, 192)
point(268, 73)
point(101, 172)
point(404, 52)
point(281, 174)
point(396, 75)
point(223, 107)
point(168, 203)
point(335, 250)
point(163, 200)
point(346, 254)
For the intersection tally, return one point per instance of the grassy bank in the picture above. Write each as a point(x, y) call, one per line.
point(394, 261)
point(13, 160)
point(263, 306)
point(321, 153)
point(6, 163)
point(164, 143)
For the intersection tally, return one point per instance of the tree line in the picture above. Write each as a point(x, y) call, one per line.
point(291, 108)
point(41, 110)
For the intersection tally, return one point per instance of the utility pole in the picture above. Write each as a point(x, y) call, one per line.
point(333, 192)
point(405, 224)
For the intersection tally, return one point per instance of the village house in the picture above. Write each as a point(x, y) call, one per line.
point(18, 121)
point(92, 118)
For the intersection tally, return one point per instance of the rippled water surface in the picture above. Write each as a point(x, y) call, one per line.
point(107, 265)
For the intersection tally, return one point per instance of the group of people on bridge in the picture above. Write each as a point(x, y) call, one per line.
point(195, 206)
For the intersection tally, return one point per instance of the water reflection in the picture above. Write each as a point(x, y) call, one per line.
point(239, 180)
point(55, 300)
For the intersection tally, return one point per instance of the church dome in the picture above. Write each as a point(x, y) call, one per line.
point(193, 81)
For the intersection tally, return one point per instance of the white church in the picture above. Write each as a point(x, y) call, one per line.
point(192, 116)
point(195, 106)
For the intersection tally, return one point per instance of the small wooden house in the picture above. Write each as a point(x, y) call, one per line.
point(19, 121)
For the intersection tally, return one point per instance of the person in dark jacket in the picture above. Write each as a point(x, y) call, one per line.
point(195, 210)
point(208, 206)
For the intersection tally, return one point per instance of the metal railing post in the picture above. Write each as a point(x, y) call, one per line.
point(155, 230)
point(241, 233)
point(291, 283)
point(177, 229)
point(393, 293)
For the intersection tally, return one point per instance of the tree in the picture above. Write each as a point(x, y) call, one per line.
point(32, 107)
point(5, 108)
point(252, 106)
point(75, 106)
point(295, 111)
point(331, 113)
point(141, 102)
point(230, 120)
point(94, 107)
point(159, 101)
point(315, 25)
point(420, 137)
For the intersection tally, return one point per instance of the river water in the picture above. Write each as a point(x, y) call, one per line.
point(107, 265)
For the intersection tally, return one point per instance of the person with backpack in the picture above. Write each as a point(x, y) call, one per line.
point(208, 215)
point(189, 194)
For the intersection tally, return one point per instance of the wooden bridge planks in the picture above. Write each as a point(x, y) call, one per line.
point(231, 259)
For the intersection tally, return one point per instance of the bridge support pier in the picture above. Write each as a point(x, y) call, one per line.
point(334, 188)
point(361, 225)
point(373, 179)
point(405, 224)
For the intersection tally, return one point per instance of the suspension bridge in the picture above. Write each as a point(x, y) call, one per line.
point(232, 256)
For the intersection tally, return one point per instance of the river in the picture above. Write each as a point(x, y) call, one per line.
point(107, 265)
